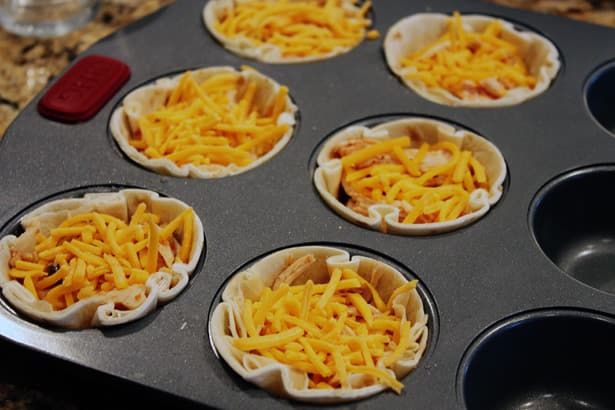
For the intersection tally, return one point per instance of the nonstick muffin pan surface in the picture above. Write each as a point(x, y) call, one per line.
point(473, 280)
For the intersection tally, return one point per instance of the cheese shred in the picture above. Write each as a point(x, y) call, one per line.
point(470, 64)
point(430, 184)
point(216, 122)
point(300, 28)
point(109, 255)
point(333, 333)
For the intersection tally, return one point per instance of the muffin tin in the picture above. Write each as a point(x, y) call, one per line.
point(486, 286)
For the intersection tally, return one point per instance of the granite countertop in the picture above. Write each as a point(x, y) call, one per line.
point(26, 66)
point(591, 11)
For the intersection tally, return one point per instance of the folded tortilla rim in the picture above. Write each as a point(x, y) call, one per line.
point(120, 133)
point(242, 45)
point(548, 70)
point(381, 216)
point(99, 310)
point(312, 395)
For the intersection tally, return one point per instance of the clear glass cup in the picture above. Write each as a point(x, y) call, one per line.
point(45, 18)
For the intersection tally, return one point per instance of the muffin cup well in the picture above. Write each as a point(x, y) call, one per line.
point(414, 32)
point(385, 217)
point(600, 97)
point(572, 220)
point(269, 53)
point(100, 309)
point(547, 359)
point(153, 96)
point(226, 321)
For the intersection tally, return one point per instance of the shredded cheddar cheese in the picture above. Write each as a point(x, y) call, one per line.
point(298, 28)
point(470, 64)
point(92, 253)
point(329, 331)
point(215, 122)
point(373, 35)
point(430, 184)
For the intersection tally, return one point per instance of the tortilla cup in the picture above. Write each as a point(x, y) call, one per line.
point(280, 379)
point(215, 10)
point(98, 310)
point(385, 217)
point(151, 97)
point(420, 30)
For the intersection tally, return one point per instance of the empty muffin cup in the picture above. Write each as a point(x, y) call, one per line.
point(573, 223)
point(549, 359)
point(600, 97)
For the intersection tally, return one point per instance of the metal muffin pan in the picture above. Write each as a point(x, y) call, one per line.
point(544, 359)
point(599, 96)
point(571, 221)
point(479, 275)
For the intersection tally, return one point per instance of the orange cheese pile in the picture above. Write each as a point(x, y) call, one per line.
point(93, 253)
point(211, 123)
point(435, 194)
point(299, 28)
point(330, 330)
point(470, 64)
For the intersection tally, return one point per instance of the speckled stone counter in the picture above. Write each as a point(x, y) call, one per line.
point(591, 11)
point(27, 64)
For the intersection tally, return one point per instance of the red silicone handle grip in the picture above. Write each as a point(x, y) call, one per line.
point(84, 89)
